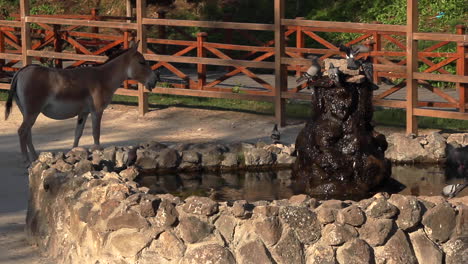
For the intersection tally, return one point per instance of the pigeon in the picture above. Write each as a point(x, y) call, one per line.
point(312, 71)
point(275, 135)
point(351, 63)
point(368, 68)
point(356, 49)
point(132, 156)
point(453, 189)
point(334, 74)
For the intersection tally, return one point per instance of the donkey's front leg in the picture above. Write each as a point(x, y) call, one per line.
point(24, 133)
point(96, 120)
point(80, 124)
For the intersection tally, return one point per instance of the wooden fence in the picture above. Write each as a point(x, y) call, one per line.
point(19, 42)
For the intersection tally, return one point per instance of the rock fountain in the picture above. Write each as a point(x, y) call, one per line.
point(338, 151)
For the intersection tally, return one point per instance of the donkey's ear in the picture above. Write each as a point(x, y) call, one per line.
point(343, 48)
point(134, 45)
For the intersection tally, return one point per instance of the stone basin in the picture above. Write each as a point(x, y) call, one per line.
point(82, 213)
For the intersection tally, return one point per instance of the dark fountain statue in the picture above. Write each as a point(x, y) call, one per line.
point(338, 152)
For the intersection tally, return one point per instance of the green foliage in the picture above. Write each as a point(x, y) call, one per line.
point(455, 12)
point(237, 88)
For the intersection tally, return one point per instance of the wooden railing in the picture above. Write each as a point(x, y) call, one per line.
point(18, 42)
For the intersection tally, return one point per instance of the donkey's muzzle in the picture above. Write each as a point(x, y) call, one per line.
point(153, 80)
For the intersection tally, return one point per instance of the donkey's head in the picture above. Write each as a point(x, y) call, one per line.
point(350, 57)
point(139, 69)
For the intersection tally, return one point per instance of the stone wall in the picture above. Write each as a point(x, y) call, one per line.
point(81, 216)
point(429, 148)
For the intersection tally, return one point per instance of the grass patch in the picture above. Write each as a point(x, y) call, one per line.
point(397, 117)
point(382, 116)
point(293, 110)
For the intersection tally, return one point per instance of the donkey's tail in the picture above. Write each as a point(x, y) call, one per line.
point(11, 95)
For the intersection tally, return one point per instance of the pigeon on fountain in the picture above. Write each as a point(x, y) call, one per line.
point(356, 49)
point(334, 74)
point(275, 135)
point(368, 68)
point(313, 71)
point(453, 189)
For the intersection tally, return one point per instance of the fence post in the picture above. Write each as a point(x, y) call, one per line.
point(126, 33)
point(280, 69)
point(25, 33)
point(2, 49)
point(128, 10)
point(300, 43)
point(162, 32)
point(57, 45)
point(125, 46)
point(94, 14)
point(201, 53)
point(411, 66)
point(462, 69)
point(376, 46)
point(141, 36)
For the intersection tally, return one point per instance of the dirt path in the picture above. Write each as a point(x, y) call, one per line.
point(121, 126)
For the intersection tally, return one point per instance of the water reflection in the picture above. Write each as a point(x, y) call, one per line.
point(272, 185)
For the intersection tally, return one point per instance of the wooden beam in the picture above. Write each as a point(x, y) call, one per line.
point(201, 53)
point(389, 103)
point(280, 69)
point(212, 94)
point(141, 36)
point(127, 92)
point(441, 77)
point(80, 22)
point(412, 66)
point(65, 56)
point(128, 10)
point(25, 33)
point(440, 37)
point(7, 23)
point(342, 25)
point(462, 69)
point(208, 24)
point(5, 86)
point(211, 61)
point(440, 114)
point(9, 56)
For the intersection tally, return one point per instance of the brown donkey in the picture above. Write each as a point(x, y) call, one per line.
point(66, 93)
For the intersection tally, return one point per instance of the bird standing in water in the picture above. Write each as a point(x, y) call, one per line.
point(275, 135)
point(314, 70)
point(453, 189)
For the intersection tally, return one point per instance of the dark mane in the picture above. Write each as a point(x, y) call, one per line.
point(115, 54)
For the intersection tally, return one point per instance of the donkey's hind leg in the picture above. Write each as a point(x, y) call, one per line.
point(24, 133)
point(80, 124)
point(31, 148)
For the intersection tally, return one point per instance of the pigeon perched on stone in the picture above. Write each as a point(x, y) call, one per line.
point(132, 156)
point(334, 74)
point(453, 189)
point(314, 70)
point(275, 135)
